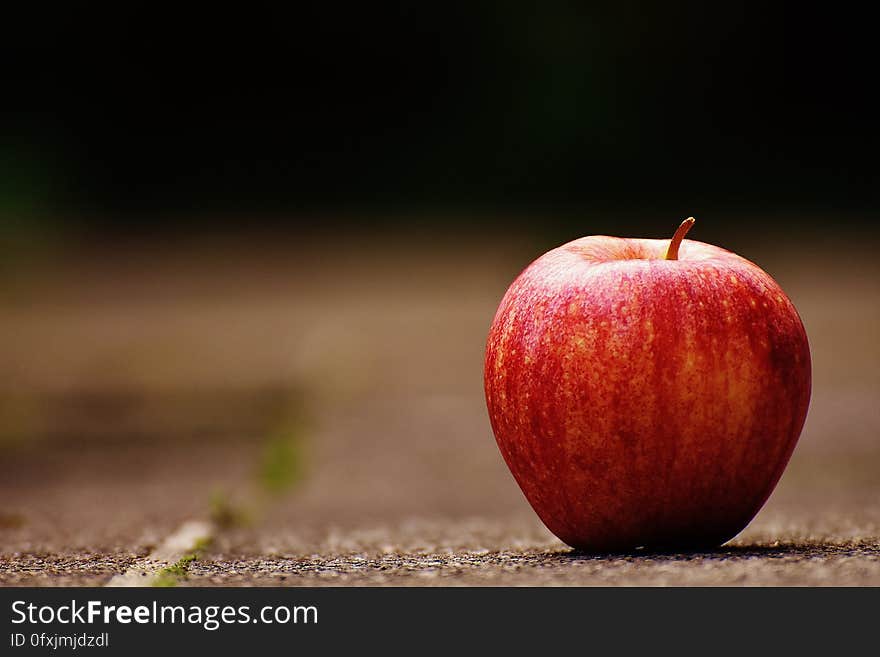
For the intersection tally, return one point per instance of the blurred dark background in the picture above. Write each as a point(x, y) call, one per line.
point(146, 117)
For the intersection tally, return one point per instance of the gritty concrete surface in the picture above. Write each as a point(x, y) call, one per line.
point(135, 400)
point(753, 565)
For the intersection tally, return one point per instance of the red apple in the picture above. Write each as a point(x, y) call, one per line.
point(646, 393)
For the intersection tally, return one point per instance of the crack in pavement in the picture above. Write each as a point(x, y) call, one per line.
point(175, 547)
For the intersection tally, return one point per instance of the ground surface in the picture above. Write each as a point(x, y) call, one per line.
point(151, 387)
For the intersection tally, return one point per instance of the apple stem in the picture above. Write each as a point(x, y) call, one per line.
point(675, 242)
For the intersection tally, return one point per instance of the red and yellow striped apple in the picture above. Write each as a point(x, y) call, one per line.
point(646, 393)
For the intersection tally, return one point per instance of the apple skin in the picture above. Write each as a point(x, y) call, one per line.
point(641, 402)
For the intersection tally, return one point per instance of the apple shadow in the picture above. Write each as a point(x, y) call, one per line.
point(777, 551)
